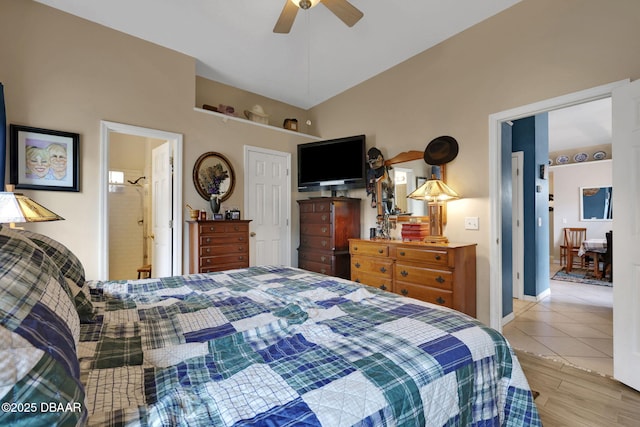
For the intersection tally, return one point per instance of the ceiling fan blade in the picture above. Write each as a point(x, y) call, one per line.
point(285, 21)
point(344, 10)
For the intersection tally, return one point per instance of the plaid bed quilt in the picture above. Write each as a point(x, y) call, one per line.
point(282, 346)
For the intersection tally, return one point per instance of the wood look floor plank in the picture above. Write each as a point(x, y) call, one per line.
point(570, 396)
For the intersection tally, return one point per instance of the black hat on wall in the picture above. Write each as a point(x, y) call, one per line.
point(441, 150)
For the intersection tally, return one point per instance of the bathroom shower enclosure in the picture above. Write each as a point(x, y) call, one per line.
point(130, 227)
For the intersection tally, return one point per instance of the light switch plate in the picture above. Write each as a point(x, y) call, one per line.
point(471, 223)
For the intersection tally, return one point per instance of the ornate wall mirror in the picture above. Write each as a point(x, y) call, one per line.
point(409, 171)
point(595, 204)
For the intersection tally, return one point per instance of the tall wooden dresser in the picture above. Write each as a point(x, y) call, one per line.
point(326, 225)
point(218, 245)
point(442, 274)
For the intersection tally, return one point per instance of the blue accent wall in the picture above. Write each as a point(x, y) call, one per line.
point(507, 233)
point(531, 135)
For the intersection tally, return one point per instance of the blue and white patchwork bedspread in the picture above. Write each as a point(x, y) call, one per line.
point(282, 346)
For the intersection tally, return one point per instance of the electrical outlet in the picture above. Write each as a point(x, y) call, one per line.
point(471, 223)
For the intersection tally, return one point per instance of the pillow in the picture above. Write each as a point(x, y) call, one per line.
point(39, 332)
point(70, 267)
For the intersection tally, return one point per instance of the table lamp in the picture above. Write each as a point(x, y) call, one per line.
point(16, 207)
point(435, 192)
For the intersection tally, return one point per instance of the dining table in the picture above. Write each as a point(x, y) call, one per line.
point(593, 248)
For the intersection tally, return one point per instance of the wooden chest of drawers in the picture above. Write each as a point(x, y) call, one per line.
point(218, 245)
point(326, 225)
point(443, 274)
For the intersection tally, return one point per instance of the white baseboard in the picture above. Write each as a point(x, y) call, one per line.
point(508, 318)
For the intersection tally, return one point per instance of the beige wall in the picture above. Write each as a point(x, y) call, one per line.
point(64, 73)
point(536, 50)
point(61, 72)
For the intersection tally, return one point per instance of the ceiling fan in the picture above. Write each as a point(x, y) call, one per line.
point(344, 10)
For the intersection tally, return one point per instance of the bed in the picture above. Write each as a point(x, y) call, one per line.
point(261, 346)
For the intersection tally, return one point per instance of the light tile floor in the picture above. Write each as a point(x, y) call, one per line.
point(573, 324)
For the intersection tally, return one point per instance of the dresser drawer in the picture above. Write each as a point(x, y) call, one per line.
point(223, 227)
point(316, 267)
point(315, 242)
point(223, 239)
point(315, 206)
point(224, 249)
point(431, 256)
point(377, 249)
point(442, 279)
point(315, 218)
point(326, 258)
point(425, 293)
point(374, 280)
point(222, 267)
point(371, 265)
point(215, 261)
point(310, 229)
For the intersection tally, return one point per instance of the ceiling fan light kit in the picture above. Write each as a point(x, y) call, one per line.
point(305, 4)
point(344, 10)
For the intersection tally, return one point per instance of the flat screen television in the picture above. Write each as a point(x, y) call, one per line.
point(335, 164)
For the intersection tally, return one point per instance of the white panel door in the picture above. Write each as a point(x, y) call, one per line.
point(626, 234)
point(161, 213)
point(267, 205)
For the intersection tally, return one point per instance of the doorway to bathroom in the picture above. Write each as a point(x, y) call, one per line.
point(141, 198)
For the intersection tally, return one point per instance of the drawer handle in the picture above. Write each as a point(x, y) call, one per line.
point(208, 250)
point(240, 239)
point(383, 287)
point(383, 270)
point(357, 280)
point(404, 292)
point(439, 300)
point(324, 229)
point(439, 279)
point(355, 248)
point(438, 257)
point(357, 264)
point(324, 243)
point(240, 248)
point(401, 253)
point(323, 258)
point(324, 217)
point(208, 261)
point(380, 251)
point(241, 257)
point(236, 228)
point(212, 229)
point(208, 240)
point(323, 271)
point(404, 273)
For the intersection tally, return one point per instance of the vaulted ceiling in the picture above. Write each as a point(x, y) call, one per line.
point(233, 40)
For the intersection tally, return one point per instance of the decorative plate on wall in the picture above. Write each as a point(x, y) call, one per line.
point(213, 175)
point(561, 160)
point(599, 155)
point(580, 157)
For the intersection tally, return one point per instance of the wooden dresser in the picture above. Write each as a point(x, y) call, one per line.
point(442, 274)
point(326, 225)
point(218, 245)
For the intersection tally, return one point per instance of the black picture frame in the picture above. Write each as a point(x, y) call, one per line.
point(44, 159)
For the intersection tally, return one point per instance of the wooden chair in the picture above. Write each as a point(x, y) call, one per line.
point(573, 238)
point(145, 271)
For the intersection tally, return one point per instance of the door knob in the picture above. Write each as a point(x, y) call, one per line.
point(252, 234)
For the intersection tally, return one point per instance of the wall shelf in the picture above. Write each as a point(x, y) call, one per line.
point(226, 117)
